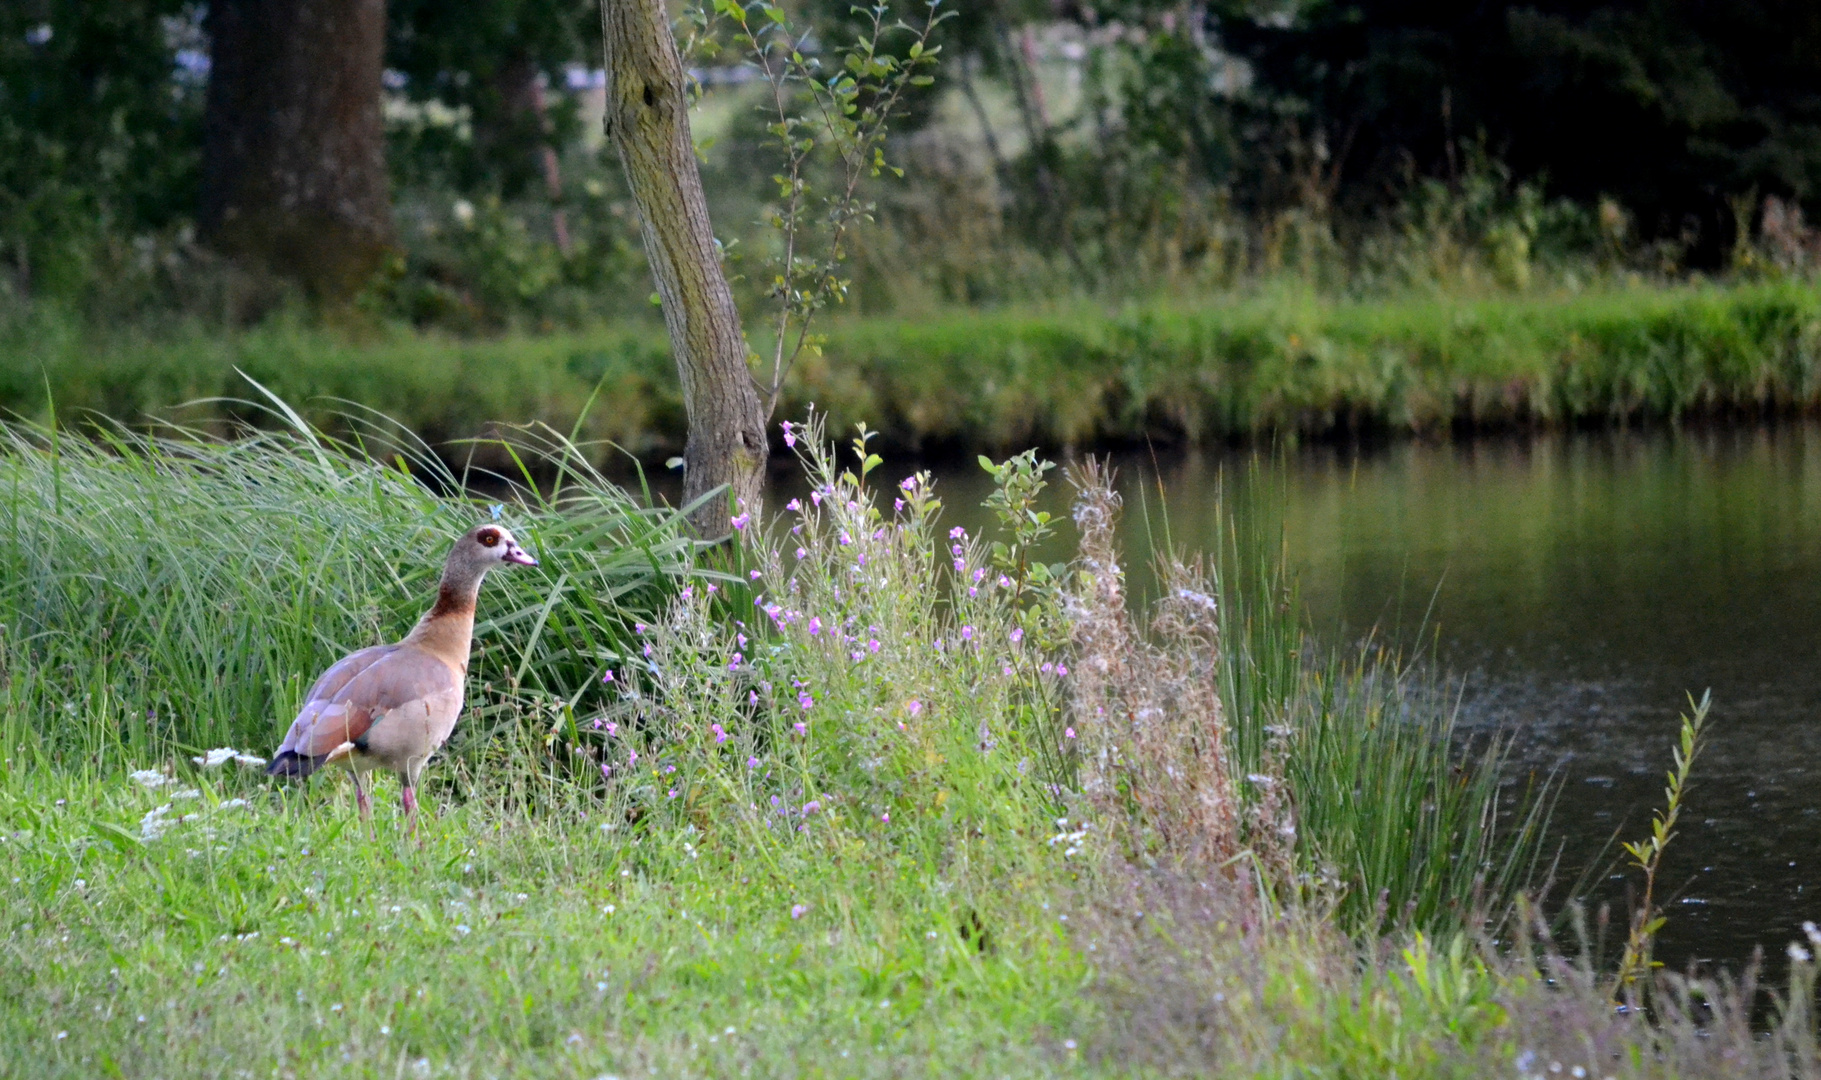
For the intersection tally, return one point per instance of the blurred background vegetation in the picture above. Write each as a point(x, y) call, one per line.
point(1159, 151)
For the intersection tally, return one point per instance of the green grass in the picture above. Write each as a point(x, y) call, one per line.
point(1003, 380)
point(848, 856)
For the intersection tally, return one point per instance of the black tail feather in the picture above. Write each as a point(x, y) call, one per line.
point(291, 763)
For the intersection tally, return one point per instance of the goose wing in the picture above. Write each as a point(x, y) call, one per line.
point(361, 690)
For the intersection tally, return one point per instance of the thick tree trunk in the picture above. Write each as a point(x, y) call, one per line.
point(648, 121)
point(294, 146)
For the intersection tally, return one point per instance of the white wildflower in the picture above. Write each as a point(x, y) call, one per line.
point(221, 755)
point(187, 793)
point(150, 778)
point(154, 824)
point(1798, 953)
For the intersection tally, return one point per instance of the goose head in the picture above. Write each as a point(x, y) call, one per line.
point(484, 547)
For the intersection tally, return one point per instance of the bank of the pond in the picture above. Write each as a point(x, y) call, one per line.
point(969, 380)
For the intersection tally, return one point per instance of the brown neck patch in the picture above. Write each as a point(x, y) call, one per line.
point(452, 600)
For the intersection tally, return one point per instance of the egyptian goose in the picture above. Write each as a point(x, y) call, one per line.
point(392, 706)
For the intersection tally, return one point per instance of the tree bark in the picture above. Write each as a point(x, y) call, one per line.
point(294, 146)
point(648, 122)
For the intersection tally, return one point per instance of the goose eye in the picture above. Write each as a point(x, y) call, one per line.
point(488, 537)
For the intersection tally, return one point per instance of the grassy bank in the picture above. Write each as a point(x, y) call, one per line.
point(866, 796)
point(1002, 380)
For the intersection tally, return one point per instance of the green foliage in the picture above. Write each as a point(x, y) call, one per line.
point(835, 110)
point(484, 61)
point(1647, 855)
point(1667, 107)
point(473, 266)
point(100, 129)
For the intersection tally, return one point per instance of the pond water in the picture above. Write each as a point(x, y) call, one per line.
point(1577, 588)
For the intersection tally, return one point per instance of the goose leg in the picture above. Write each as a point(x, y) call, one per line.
point(410, 800)
point(361, 799)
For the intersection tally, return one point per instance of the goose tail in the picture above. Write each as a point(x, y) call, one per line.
point(292, 763)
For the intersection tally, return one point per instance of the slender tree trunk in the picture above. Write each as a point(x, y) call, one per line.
point(522, 86)
point(294, 146)
point(648, 121)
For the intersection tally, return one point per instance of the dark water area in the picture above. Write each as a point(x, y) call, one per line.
point(1575, 589)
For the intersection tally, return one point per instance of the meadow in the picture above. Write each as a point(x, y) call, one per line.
point(860, 794)
point(1282, 363)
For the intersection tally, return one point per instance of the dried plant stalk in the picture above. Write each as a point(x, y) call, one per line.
point(1154, 764)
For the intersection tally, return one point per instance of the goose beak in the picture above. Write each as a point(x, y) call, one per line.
point(518, 556)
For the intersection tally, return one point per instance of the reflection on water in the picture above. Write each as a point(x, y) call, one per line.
point(1579, 587)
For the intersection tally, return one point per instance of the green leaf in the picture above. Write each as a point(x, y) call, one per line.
point(119, 835)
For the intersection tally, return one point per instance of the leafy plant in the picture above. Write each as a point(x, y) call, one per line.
point(839, 106)
point(1647, 855)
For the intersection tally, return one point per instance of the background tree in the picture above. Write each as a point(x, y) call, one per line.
point(294, 153)
point(648, 122)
